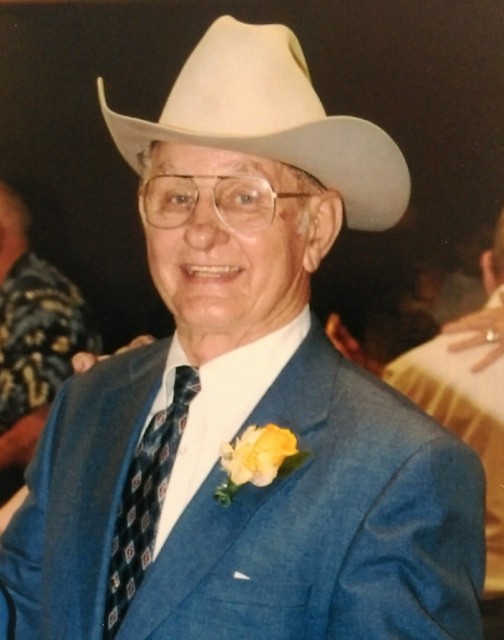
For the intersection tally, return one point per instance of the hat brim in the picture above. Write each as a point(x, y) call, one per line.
point(345, 153)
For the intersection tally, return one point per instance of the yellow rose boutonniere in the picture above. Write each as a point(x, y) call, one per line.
point(258, 457)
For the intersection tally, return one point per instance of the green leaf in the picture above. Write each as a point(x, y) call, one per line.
point(292, 462)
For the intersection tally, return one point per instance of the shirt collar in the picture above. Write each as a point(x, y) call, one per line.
point(247, 366)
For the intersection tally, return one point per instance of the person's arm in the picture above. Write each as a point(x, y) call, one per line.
point(17, 445)
point(416, 565)
point(488, 327)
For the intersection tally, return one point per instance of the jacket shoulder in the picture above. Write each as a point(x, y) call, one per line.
point(120, 370)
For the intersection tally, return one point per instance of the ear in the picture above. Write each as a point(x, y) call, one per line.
point(140, 201)
point(326, 220)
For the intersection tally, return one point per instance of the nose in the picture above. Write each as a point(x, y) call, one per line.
point(204, 228)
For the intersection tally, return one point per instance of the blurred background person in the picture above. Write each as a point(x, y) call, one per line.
point(448, 280)
point(396, 328)
point(441, 285)
point(392, 329)
point(44, 321)
point(442, 382)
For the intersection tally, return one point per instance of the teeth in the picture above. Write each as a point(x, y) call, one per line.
point(211, 270)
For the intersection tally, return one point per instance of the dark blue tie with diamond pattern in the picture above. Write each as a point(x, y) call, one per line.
point(142, 499)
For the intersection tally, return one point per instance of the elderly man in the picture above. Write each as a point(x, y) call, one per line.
point(305, 499)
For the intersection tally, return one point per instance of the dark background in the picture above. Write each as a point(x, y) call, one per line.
point(431, 73)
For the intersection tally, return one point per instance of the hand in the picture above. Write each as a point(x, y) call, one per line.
point(341, 338)
point(347, 345)
point(83, 361)
point(488, 325)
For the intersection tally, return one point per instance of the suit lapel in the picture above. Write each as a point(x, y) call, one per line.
point(121, 413)
point(205, 531)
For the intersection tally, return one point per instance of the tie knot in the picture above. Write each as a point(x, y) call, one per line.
point(187, 384)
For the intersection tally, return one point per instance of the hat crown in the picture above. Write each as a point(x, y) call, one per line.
point(240, 80)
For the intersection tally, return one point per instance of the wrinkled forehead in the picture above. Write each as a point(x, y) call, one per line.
point(187, 159)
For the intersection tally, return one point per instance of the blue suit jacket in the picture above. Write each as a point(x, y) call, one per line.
point(378, 535)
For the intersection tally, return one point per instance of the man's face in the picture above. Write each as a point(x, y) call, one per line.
point(239, 285)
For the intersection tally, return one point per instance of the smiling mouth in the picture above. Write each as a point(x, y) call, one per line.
point(215, 271)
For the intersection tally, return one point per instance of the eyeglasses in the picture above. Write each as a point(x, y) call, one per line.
point(243, 203)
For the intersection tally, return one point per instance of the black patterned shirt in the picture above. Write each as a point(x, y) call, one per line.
point(44, 321)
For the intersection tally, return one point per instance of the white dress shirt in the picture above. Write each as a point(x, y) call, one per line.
point(231, 386)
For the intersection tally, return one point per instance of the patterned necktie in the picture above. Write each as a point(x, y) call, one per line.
point(142, 499)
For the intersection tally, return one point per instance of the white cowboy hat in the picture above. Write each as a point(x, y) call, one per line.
point(247, 88)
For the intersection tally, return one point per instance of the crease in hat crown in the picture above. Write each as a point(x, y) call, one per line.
point(241, 80)
point(247, 88)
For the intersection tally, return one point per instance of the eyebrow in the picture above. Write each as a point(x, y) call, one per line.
point(241, 167)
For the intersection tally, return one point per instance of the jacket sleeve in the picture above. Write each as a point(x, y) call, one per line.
point(22, 543)
point(416, 565)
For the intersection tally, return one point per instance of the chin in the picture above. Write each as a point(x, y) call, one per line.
point(213, 316)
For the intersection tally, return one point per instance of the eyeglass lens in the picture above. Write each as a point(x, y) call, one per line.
point(243, 203)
